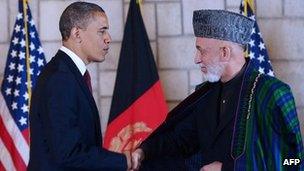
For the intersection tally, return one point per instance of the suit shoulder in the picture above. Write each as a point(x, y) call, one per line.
point(55, 74)
point(200, 85)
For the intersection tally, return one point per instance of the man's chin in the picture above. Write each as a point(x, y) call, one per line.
point(98, 60)
point(211, 78)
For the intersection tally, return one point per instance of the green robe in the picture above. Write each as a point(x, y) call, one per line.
point(267, 129)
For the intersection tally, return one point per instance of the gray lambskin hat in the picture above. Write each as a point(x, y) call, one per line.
point(222, 25)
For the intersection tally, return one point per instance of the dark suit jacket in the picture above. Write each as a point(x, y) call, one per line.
point(192, 127)
point(64, 123)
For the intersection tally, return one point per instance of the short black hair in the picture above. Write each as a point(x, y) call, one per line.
point(77, 14)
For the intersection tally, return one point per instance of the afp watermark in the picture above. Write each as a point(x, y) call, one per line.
point(291, 162)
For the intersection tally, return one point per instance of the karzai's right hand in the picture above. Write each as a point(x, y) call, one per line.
point(137, 156)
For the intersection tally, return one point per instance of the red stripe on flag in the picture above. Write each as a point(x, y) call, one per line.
point(150, 108)
point(26, 136)
point(10, 146)
point(1, 167)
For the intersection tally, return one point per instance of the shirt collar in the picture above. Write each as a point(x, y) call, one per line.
point(76, 59)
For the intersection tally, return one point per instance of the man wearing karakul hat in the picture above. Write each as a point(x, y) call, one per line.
point(238, 119)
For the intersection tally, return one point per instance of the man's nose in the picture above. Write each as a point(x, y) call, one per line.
point(197, 58)
point(108, 38)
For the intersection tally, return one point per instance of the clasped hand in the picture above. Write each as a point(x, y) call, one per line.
point(137, 156)
point(134, 160)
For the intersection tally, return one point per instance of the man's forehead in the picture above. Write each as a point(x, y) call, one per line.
point(101, 18)
point(204, 40)
point(212, 41)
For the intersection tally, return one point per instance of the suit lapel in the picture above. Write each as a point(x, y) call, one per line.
point(79, 79)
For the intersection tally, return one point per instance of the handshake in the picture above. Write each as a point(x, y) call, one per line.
point(134, 159)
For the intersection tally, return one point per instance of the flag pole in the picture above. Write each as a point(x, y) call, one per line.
point(139, 2)
point(25, 18)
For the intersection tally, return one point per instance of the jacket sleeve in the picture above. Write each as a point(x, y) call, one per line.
point(172, 139)
point(285, 114)
point(63, 135)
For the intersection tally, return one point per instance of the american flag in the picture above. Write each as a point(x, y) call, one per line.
point(256, 49)
point(25, 60)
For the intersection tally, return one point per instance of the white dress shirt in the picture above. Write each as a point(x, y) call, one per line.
point(76, 59)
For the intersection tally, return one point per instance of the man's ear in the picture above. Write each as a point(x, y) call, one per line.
point(225, 53)
point(75, 34)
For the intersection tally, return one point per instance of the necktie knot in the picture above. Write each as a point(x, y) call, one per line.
point(87, 79)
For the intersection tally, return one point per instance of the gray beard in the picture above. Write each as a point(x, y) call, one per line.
point(214, 72)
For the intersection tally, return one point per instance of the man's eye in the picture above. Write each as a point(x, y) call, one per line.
point(101, 31)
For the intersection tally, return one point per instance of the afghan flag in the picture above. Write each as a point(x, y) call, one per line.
point(138, 105)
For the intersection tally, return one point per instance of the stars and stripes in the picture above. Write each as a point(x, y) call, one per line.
point(256, 49)
point(24, 62)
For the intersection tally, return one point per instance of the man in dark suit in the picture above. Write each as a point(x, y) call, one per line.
point(64, 121)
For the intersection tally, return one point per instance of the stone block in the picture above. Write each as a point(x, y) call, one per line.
point(50, 49)
point(294, 8)
point(53, 8)
point(190, 5)
point(291, 72)
point(112, 58)
point(149, 17)
point(154, 51)
point(4, 33)
point(13, 11)
point(96, 97)
point(114, 11)
point(300, 111)
point(176, 52)
point(3, 56)
point(175, 84)
point(160, 0)
point(169, 19)
point(233, 3)
point(49, 26)
point(104, 111)
point(269, 8)
point(195, 77)
point(106, 83)
point(283, 38)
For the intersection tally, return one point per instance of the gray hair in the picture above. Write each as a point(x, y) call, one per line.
point(77, 14)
